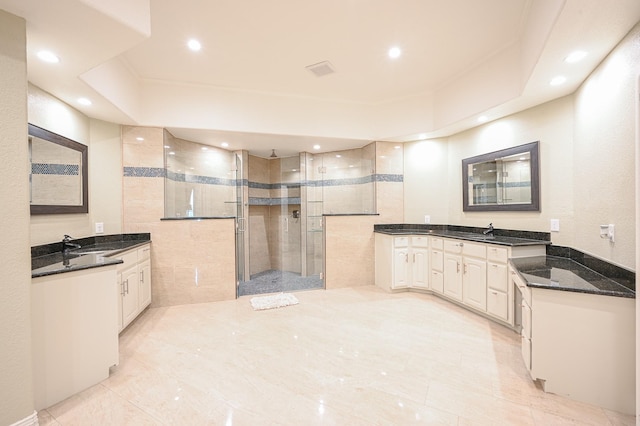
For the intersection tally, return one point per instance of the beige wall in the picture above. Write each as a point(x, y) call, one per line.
point(587, 166)
point(16, 387)
point(105, 169)
point(603, 160)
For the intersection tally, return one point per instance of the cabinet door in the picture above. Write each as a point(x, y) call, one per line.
point(420, 268)
point(400, 268)
point(437, 281)
point(145, 284)
point(453, 276)
point(120, 299)
point(130, 285)
point(474, 283)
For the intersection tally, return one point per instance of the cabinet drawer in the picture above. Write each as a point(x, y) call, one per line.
point(497, 304)
point(129, 258)
point(437, 260)
point(522, 287)
point(144, 253)
point(401, 241)
point(526, 320)
point(420, 241)
point(475, 250)
point(497, 254)
point(453, 246)
point(437, 243)
point(437, 281)
point(497, 277)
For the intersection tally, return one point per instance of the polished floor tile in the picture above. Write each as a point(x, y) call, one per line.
point(340, 357)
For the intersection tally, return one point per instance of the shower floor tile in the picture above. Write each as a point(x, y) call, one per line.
point(274, 281)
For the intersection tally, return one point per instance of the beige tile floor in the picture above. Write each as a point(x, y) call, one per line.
point(340, 357)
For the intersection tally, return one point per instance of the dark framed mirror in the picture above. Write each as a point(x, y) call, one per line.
point(505, 180)
point(59, 173)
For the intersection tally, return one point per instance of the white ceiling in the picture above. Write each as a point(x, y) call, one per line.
point(249, 86)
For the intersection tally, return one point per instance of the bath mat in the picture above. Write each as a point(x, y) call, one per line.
point(273, 301)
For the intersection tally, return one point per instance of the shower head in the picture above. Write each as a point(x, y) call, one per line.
point(273, 153)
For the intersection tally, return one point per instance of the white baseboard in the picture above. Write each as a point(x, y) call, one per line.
point(32, 420)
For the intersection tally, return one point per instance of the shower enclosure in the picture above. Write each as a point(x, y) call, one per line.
point(278, 204)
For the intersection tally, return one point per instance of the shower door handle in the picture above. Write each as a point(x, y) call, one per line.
point(242, 224)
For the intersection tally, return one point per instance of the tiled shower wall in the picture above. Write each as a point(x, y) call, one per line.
point(274, 194)
point(192, 261)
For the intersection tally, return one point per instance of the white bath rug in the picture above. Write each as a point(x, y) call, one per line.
point(273, 301)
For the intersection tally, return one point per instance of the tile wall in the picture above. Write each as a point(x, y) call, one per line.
point(192, 261)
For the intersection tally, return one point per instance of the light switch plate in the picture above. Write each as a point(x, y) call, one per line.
point(99, 227)
point(555, 225)
point(427, 218)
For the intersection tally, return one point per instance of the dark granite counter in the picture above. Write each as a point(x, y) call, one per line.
point(564, 273)
point(48, 259)
point(504, 237)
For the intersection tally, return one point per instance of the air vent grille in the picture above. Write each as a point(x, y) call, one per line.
point(321, 68)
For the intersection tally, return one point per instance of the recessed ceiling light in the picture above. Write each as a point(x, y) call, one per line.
point(395, 52)
point(194, 45)
point(139, 138)
point(316, 147)
point(224, 144)
point(48, 56)
point(204, 148)
point(172, 153)
point(397, 147)
point(576, 56)
point(483, 119)
point(558, 80)
point(338, 155)
point(167, 147)
point(84, 101)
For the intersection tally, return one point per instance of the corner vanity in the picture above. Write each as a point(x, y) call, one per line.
point(460, 264)
point(577, 325)
point(80, 300)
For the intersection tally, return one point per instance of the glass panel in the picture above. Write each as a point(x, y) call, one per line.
point(200, 180)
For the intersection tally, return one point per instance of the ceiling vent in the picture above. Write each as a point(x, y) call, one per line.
point(321, 68)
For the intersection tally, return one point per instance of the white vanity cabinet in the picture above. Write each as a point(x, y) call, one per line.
point(579, 345)
point(410, 265)
point(134, 284)
point(470, 273)
point(74, 332)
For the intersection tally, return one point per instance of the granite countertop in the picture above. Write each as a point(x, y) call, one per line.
point(561, 273)
point(95, 252)
point(502, 237)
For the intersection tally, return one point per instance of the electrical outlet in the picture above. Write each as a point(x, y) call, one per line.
point(99, 227)
point(427, 218)
point(555, 225)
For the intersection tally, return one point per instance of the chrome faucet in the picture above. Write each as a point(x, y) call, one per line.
point(67, 244)
point(489, 230)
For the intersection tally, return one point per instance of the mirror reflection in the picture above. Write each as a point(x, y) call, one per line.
point(502, 180)
point(58, 174)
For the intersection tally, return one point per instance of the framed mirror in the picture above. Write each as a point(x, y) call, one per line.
point(59, 173)
point(505, 180)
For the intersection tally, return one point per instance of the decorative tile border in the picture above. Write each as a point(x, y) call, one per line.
point(55, 169)
point(144, 172)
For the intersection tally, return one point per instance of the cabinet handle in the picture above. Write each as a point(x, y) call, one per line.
point(406, 258)
point(122, 293)
point(493, 292)
point(494, 265)
point(457, 266)
point(146, 249)
point(127, 282)
point(141, 276)
point(464, 269)
point(414, 258)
